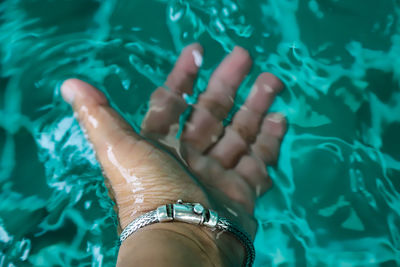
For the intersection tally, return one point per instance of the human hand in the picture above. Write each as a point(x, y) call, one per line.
point(228, 163)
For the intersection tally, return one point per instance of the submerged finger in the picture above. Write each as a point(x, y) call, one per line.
point(184, 74)
point(215, 103)
point(268, 141)
point(248, 119)
point(103, 125)
point(167, 103)
point(246, 122)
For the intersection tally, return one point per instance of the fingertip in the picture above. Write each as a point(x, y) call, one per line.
point(196, 46)
point(276, 117)
point(273, 81)
point(73, 89)
point(263, 92)
point(190, 59)
point(197, 52)
point(198, 58)
point(275, 124)
point(243, 54)
point(232, 70)
point(240, 49)
point(68, 91)
point(184, 73)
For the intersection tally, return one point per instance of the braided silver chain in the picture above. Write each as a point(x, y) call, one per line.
point(226, 225)
point(146, 219)
point(223, 224)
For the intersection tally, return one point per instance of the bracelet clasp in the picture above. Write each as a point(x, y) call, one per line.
point(193, 213)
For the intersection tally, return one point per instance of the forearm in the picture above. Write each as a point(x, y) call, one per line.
point(179, 244)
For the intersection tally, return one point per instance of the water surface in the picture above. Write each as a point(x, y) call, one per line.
point(336, 195)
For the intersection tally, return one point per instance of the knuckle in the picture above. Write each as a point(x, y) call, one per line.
point(216, 108)
point(244, 132)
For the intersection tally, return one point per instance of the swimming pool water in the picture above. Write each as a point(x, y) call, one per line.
point(336, 194)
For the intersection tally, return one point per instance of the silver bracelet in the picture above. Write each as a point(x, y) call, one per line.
point(193, 213)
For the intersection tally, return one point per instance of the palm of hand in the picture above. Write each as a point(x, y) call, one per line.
point(229, 163)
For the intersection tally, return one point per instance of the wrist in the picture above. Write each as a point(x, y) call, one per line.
point(206, 247)
point(221, 248)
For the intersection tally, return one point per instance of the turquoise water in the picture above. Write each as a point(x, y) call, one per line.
point(336, 199)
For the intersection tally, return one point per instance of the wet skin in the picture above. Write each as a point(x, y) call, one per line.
point(222, 168)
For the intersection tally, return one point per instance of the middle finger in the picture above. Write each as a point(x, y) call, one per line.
point(205, 125)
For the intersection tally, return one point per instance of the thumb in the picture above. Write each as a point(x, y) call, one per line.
point(105, 128)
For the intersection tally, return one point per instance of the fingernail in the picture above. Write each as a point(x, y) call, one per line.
point(276, 117)
point(198, 58)
point(67, 92)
